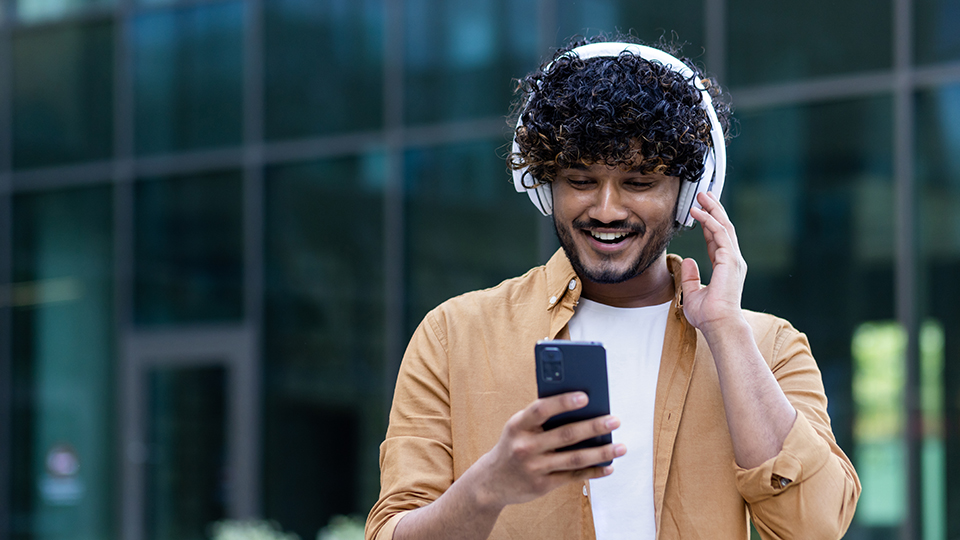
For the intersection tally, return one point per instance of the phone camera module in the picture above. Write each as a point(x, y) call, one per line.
point(552, 365)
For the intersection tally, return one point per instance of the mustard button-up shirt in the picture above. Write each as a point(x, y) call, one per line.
point(469, 367)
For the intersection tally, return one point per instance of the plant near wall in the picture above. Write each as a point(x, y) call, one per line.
point(342, 528)
point(249, 530)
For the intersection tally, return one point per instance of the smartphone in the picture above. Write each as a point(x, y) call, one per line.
point(569, 366)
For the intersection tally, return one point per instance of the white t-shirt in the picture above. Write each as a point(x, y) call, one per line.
point(623, 502)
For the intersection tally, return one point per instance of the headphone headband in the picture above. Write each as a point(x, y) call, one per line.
point(715, 160)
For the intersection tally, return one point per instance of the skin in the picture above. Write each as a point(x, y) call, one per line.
point(631, 272)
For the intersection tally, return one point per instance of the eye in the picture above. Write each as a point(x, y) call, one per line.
point(639, 184)
point(580, 182)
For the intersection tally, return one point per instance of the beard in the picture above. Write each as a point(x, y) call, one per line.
point(606, 272)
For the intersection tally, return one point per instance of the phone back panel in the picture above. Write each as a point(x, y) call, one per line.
point(583, 368)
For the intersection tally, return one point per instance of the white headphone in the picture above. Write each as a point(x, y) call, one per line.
point(714, 162)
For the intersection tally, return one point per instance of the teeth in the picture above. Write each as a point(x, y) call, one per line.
point(607, 236)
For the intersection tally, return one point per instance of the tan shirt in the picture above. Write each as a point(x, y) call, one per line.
point(470, 366)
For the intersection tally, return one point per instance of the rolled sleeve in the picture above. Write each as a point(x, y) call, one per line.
point(810, 481)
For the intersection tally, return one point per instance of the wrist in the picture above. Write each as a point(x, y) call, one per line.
point(732, 328)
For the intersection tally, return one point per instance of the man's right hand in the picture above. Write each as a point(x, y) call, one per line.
point(522, 466)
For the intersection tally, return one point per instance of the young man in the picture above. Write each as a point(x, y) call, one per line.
point(722, 409)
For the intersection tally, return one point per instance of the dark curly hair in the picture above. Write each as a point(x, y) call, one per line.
point(625, 112)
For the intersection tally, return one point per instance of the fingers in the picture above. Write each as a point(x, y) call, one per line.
point(543, 409)
point(714, 219)
point(575, 432)
point(584, 458)
point(689, 277)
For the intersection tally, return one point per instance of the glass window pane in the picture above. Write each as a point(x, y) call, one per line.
point(647, 20)
point(338, 87)
point(324, 374)
point(813, 201)
point(186, 485)
point(778, 41)
point(188, 77)
point(467, 228)
point(938, 175)
point(62, 94)
point(189, 249)
point(935, 31)
point(64, 466)
point(39, 10)
point(462, 57)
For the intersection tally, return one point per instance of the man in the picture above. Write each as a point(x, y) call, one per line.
point(722, 409)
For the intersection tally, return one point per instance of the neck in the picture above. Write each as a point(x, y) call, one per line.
point(653, 287)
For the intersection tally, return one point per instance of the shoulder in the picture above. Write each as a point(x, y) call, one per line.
point(511, 298)
point(776, 337)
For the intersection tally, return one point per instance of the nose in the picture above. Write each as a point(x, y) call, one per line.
point(608, 206)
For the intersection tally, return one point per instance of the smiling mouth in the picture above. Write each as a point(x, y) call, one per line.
point(610, 237)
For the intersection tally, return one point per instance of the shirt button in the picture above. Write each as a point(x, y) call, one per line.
point(584, 490)
point(553, 300)
point(572, 285)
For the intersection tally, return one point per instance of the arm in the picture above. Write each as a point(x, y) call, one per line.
point(419, 496)
point(790, 470)
point(758, 413)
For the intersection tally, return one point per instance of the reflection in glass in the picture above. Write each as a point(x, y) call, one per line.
point(324, 375)
point(938, 194)
point(187, 479)
point(462, 55)
point(62, 94)
point(188, 249)
point(63, 461)
point(680, 21)
point(188, 74)
point(935, 31)
point(467, 227)
point(39, 10)
point(780, 41)
point(338, 86)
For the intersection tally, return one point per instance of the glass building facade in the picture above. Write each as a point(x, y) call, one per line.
point(221, 220)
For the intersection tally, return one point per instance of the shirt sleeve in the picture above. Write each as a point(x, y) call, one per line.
point(810, 489)
point(416, 457)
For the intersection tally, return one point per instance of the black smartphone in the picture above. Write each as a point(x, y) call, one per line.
point(569, 366)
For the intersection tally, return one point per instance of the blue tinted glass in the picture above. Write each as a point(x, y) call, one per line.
point(188, 249)
point(936, 38)
point(324, 328)
point(778, 41)
point(938, 175)
point(680, 21)
point(188, 69)
point(62, 94)
point(462, 55)
point(467, 228)
point(323, 67)
point(64, 465)
point(38, 10)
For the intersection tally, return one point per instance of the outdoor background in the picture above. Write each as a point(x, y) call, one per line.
point(221, 220)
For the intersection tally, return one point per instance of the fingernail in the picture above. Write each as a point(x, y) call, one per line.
point(579, 399)
point(620, 450)
point(612, 423)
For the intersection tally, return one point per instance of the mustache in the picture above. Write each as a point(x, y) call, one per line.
point(622, 225)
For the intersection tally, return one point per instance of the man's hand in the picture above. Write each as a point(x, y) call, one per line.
point(711, 307)
point(522, 466)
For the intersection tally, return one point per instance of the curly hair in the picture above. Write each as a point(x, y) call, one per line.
point(624, 112)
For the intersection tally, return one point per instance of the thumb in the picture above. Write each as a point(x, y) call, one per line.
point(689, 276)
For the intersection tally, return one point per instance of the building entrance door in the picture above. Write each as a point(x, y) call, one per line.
point(189, 426)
